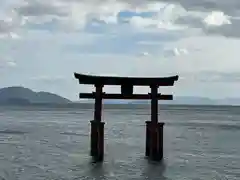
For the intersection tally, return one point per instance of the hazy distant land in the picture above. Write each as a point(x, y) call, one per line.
point(25, 96)
point(22, 96)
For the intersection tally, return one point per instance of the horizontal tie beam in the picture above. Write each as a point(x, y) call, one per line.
point(121, 96)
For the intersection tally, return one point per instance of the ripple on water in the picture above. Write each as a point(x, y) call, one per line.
point(74, 134)
point(14, 132)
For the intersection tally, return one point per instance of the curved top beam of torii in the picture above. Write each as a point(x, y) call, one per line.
point(134, 81)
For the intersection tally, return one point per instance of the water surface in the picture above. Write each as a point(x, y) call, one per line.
point(41, 142)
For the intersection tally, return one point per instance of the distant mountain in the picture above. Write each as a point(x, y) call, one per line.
point(188, 100)
point(21, 95)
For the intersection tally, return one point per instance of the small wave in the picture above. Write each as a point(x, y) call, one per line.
point(222, 126)
point(8, 131)
point(76, 113)
point(73, 134)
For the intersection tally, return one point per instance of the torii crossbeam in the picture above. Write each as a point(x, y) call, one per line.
point(154, 129)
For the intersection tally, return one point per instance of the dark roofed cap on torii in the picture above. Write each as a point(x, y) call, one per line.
point(137, 81)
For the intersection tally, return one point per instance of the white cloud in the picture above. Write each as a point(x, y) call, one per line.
point(145, 53)
point(164, 18)
point(217, 19)
point(11, 64)
point(175, 52)
point(7, 63)
point(230, 7)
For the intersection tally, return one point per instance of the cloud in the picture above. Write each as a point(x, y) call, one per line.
point(175, 52)
point(8, 26)
point(217, 19)
point(230, 7)
point(176, 17)
point(75, 15)
point(140, 22)
point(7, 63)
point(214, 23)
point(11, 64)
point(41, 8)
point(145, 54)
point(227, 30)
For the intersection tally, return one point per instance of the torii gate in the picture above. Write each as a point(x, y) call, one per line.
point(154, 129)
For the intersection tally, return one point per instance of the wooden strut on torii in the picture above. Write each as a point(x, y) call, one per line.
point(154, 129)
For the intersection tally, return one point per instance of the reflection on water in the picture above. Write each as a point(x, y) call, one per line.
point(153, 170)
point(42, 143)
point(147, 170)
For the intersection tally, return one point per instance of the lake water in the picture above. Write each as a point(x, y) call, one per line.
point(52, 143)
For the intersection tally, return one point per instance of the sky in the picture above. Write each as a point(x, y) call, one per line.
point(43, 42)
